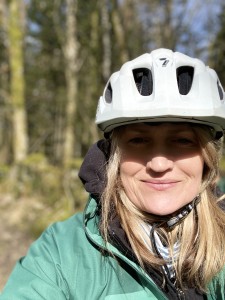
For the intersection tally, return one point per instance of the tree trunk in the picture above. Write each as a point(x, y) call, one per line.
point(70, 53)
point(119, 32)
point(135, 38)
point(5, 115)
point(106, 41)
point(92, 82)
point(17, 83)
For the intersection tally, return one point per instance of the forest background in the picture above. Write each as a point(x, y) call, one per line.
point(55, 58)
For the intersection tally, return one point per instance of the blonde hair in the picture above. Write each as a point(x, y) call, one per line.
point(201, 235)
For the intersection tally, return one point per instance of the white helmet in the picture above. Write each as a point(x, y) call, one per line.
point(162, 86)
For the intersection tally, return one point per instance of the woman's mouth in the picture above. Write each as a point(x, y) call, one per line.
point(160, 185)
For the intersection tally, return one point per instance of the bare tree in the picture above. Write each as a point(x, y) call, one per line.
point(70, 46)
point(70, 53)
point(17, 82)
point(106, 40)
point(120, 34)
point(5, 116)
point(92, 79)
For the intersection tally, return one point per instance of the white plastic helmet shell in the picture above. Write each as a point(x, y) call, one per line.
point(123, 103)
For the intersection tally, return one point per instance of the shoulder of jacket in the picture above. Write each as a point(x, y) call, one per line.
point(67, 228)
point(217, 286)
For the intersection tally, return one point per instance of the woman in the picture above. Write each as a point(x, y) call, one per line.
point(153, 228)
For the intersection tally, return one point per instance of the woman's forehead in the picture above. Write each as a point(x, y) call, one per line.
point(170, 126)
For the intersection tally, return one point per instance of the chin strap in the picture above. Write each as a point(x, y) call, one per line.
point(182, 213)
point(170, 223)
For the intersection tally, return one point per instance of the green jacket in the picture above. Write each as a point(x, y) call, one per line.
point(66, 263)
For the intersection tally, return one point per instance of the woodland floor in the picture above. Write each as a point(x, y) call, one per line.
point(14, 239)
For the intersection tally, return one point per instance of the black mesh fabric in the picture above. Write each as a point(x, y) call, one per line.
point(143, 80)
point(220, 90)
point(108, 94)
point(184, 79)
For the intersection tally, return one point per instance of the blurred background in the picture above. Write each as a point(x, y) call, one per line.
point(55, 58)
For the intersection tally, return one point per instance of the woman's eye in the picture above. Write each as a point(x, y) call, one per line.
point(184, 141)
point(138, 141)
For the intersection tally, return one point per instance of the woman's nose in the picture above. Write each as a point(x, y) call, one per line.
point(160, 164)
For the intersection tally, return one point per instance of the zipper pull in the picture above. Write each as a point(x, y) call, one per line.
point(180, 293)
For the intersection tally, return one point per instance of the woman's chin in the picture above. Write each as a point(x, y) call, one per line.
point(163, 210)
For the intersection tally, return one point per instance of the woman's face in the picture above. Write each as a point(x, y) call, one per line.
point(161, 166)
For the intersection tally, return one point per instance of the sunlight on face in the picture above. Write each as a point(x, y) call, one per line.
point(161, 166)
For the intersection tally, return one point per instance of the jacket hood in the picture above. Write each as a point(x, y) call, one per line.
point(93, 169)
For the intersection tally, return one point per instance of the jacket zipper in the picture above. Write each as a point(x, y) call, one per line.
point(115, 237)
point(180, 294)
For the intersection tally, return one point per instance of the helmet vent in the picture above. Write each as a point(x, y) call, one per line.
point(108, 93)
point(143, 80)
point(220, 90)
point(184, 79)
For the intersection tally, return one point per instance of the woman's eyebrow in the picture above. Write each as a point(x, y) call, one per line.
point(137, 131)
point(177, 131)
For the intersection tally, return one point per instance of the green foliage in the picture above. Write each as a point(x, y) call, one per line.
point(4, 172)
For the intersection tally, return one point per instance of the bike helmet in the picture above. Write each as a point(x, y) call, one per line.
point(162, 86)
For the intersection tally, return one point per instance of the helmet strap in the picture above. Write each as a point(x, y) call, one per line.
point(182, 213)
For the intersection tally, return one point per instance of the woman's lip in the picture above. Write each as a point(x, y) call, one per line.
point(160, 185)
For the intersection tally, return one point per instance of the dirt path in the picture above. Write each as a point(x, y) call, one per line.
point(14, 241)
